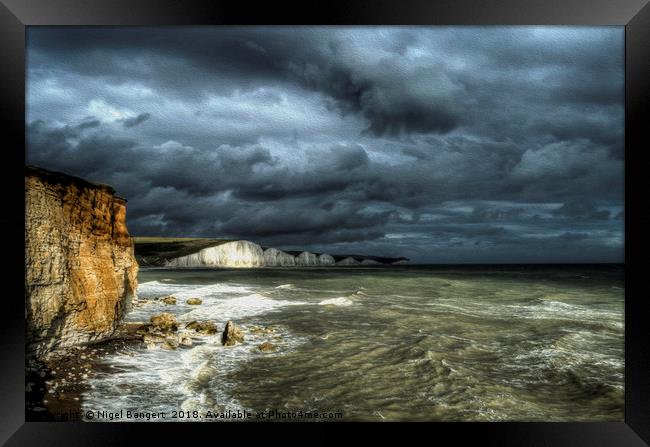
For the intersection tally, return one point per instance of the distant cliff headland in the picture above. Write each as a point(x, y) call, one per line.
point(202, 252)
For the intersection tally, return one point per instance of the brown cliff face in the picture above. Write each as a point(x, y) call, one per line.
point(80, 270)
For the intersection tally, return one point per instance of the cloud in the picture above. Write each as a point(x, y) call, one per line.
point(581, 210)
point(456, 144)
point(132, 122)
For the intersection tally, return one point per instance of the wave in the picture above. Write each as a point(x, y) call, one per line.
point(536, 309)
point(194, 377)
point(340, 301)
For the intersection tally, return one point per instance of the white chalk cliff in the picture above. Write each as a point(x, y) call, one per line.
point(238, 254)
point(325, 260)
point(306, 259)
point(277, 258)
point(348, 261)
point(247, 254)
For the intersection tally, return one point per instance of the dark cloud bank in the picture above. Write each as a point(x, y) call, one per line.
point(440, 144)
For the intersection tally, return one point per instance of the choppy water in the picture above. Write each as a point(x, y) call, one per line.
point(397, 343)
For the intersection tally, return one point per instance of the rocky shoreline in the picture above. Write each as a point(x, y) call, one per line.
point(55, 383)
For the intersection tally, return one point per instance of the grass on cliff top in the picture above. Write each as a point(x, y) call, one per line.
point(161, 248)
point(162, 240)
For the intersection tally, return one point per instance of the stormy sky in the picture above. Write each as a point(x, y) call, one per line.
point(442, 144)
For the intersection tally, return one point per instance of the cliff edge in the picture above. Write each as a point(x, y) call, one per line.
point(80, 268)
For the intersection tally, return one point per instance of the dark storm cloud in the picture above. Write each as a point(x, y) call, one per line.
point(392, 101)
point(132, 122)
point(88, 124)
point(581, 210)
point(443, 144)
point(92, 153)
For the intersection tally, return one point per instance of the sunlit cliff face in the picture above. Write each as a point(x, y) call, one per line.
point(80, 270)
point(230, 254)
point(450, 144)
point(246, 254)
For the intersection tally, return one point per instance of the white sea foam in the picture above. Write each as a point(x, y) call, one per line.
point(548, 309)
point(535, 310)
point(341, 301)
point(236, 307)
point(187, 378)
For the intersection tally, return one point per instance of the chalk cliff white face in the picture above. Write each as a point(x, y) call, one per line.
point(230, 254)
point(246, 254)
point(466, 144)
point(277, 258)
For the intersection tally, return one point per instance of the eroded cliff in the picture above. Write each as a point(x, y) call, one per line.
point(80, 270)
point(277, 258)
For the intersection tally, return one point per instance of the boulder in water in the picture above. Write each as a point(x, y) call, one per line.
point(164, 322)
point(194, 301)
point(267, 347)
point(152, 339)
point(169, 299)
point(261, 330)
point(170, 343)
point(231, 335)
point(205, 327)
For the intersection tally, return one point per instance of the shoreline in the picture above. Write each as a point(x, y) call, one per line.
point(55, 384)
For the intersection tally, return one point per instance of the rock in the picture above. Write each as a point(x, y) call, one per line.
point(153, 338)
point(194, 301)
point(267, 347)
point(256, 330)
point(185, 340)
point(80, 270)
point(164, 322)
point(169, 299)
point(261, 330)
point(170, 343)
point(206, 327)
point(231, 335)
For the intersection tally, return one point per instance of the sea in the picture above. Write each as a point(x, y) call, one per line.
point(394, 343)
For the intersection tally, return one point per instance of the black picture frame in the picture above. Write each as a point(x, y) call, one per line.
point(15, 15)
